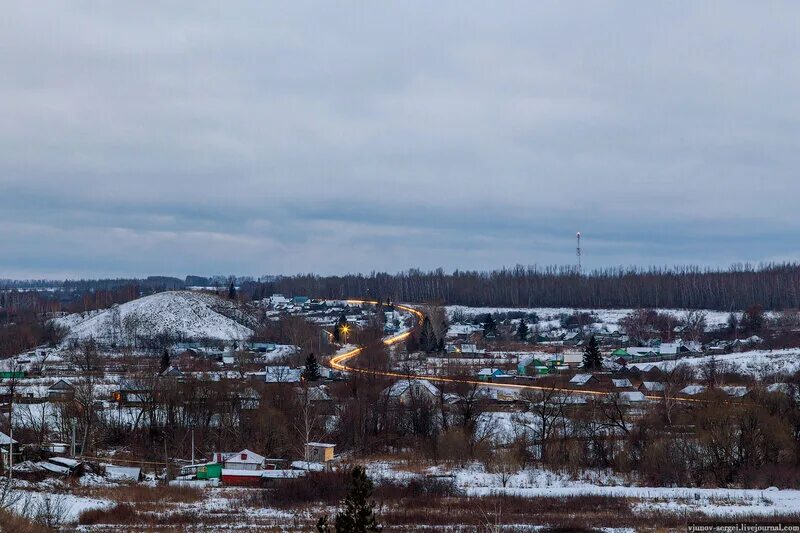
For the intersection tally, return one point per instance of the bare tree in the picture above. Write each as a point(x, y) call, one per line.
point(547, 407)
point(694, 325)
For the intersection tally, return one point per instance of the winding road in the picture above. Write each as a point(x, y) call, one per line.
point(338, 362)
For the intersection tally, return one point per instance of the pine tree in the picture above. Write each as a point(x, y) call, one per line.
point(522, 330)
point(591, 355)
point(231, 291)
point(311, 372)
point(164, 360)
point(489, 326)
point(357, 516)
point(427, 337)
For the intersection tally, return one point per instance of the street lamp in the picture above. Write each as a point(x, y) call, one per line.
point(345, 329)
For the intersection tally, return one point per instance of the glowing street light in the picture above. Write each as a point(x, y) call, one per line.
point(345, 330)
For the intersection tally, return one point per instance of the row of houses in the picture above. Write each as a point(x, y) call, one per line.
point(241, 468)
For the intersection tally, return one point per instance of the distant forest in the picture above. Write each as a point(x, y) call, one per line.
point(773, 286)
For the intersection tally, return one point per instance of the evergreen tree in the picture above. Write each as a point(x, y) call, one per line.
point(231, 291)
point(427, 337)
point(522, 330)
point(591, 355)
point(489, 326)
point(165, 360)
point(357, 516)
point(311, 372)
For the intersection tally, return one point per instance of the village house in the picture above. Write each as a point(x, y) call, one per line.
point(243, 460)
point(60, 391)
point(631, 397)
point(572, 359)
point(489, 374)
point(534, 365)
point(622, 383)
point(282, 374)
point(8, 447)
point(651, 387)
point(132, 394)
point(583, 380)
point(407, 390)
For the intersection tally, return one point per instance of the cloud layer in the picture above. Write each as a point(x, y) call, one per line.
point(340, 137)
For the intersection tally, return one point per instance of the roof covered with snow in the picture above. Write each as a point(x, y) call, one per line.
point(580, 379)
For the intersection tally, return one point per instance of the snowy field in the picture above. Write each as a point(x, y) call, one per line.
point(473, 480)
point(757, 363)
point(549, 316)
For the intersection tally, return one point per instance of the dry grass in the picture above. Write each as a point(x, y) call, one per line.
point(14, 524)
point(124, 514)
point(166, 494)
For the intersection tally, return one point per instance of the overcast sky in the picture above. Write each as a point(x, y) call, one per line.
point(203, 138)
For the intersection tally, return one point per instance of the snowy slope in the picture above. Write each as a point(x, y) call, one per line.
point(190, 314)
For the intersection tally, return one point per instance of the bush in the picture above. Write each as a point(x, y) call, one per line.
point(122, 513)
point(328, 488)
point(426, 486)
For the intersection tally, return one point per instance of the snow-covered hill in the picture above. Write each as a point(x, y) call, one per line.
point(182, 313)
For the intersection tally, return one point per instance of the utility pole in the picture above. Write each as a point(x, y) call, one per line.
point(11, 442)
point(13, 390)
point(166, 462)
point(192, 446)
point(578, 251)
point(72, 446)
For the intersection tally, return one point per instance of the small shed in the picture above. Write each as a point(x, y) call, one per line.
point(319, 452)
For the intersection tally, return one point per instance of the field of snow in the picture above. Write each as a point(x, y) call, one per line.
point(473, 480)
point(758, 363)
point(548, 316)
point(190, 314)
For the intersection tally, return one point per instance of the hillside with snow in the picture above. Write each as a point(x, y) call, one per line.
point(186, 314)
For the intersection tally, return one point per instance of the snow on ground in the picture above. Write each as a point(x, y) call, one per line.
point(473, 480)
point(502, 427)
point(757, 363)
point(549, 316)
point(192, 315)
point(69, 506)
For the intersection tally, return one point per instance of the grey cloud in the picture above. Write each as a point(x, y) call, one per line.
point(318, 137)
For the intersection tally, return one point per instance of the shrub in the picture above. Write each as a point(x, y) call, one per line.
point(122, 513)
point(319, 487)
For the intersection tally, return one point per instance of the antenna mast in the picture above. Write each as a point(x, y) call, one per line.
point(578, 251)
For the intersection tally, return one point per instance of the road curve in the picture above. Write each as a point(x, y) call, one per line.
point(338, 361)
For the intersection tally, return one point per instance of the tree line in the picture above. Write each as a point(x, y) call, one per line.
point(772, 286)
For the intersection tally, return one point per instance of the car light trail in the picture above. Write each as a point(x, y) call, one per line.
point(337, 363)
